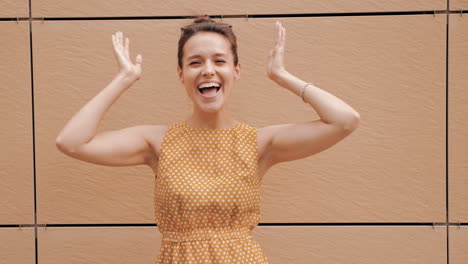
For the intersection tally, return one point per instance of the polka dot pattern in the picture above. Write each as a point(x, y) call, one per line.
point(207, 195)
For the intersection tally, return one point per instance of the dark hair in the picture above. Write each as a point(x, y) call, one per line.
point(205, 23)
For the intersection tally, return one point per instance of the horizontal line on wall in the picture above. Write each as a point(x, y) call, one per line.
point(359, 224)
point(246, 16)
point(261, 224)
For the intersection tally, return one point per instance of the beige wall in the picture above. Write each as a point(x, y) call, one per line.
point(372, 198)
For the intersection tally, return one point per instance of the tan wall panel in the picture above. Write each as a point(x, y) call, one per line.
point(297, 245)
point(90, 8)
point(14, 8)
point(458, 119)
point(390, 69)
point(458, 251)
point(354, 244)
point(17, 246)
point(16, 175)
point(98, 245)
point(456, 5)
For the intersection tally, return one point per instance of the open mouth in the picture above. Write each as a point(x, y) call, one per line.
point(210, 91)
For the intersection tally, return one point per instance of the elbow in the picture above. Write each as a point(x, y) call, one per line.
point(61, 146)
point(352, 123)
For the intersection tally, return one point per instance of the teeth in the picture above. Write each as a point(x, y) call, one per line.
point(209, 85)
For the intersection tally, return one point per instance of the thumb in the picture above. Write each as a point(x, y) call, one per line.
point(139, 59)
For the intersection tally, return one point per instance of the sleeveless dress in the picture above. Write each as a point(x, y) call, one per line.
point(207, 195)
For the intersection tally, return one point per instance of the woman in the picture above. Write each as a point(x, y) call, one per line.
point(208, 168)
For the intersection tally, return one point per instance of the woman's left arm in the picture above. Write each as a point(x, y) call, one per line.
point(295, 141)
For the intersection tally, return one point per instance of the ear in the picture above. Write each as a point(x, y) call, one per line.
point(180, 73)
point(237, 70)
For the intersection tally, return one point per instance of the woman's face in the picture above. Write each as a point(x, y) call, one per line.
point(207, 59)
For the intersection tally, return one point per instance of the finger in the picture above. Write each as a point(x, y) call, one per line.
point(127, 47)
point(283, 36)
point(114, 42)
point(117, 40)
point(280, 34)
point(117, 50)
point(139, 59)
point(278, 31)
point(120, 40)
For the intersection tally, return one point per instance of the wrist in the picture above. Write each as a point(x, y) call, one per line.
point(127, 77)
point(279, 76)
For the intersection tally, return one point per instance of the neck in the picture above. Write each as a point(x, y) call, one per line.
point(216, 120)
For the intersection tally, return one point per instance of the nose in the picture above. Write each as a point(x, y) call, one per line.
point(208, 69)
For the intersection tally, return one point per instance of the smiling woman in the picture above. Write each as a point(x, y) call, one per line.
point(209, 168)
point(217, 201)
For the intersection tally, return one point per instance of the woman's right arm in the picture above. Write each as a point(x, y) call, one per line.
point(124, 147)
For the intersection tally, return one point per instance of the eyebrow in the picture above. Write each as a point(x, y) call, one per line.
point(197, 55)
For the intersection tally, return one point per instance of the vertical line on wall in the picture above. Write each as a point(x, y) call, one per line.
point(33, 132)
point(446, 129)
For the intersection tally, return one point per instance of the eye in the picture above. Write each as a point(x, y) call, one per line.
point(220, 61)
point(193, 62)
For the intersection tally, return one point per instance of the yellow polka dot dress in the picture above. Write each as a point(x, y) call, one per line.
point(207, 195)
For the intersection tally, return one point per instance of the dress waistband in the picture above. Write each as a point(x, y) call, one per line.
point(208, 234)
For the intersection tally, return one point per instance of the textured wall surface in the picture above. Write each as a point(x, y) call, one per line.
point(14, 8)
point(458, 4)
point(89, 8)
point(395, 191)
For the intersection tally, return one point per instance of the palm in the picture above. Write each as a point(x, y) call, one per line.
point(122, 54)
point(276, 58)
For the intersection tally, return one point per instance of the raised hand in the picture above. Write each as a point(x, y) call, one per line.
point(276, 58)
point(122, 54)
